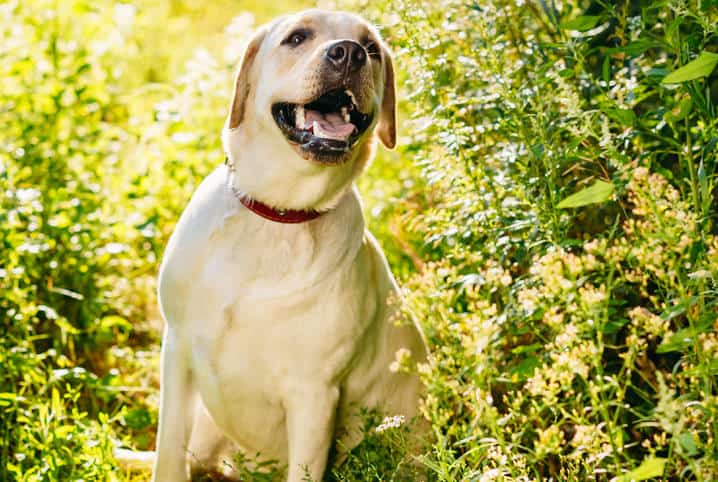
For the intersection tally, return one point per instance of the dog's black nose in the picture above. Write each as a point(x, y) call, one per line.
point(346, 53)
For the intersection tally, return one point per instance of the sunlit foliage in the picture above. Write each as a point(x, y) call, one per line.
point(551, 214)
point(567, 208)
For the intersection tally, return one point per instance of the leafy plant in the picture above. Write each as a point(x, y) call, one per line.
point(551, 215)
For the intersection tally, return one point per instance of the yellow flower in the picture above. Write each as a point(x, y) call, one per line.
point(549, 441)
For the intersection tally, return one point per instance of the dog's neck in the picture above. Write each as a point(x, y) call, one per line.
point(268, 169)
point(284, 216)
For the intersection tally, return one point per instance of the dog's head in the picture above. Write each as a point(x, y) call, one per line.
point(313, 92)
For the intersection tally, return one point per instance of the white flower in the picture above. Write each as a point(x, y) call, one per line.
point(124, 15)
point(390, 422)
point(27, 195)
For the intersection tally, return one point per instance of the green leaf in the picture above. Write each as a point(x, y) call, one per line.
point(112, 321)
point(676, 310)
point(684, 338)
point(634, 48)
point(688, 443)
point(650, 467)
point(7, 398)
point(705, 187)
point(612, 326)
point(709, 367)
point(606, 68)
point(138, 418)
point(525, 369)
point(113, 326)
point(66, 327)
point(521, 349)
point(700, 67)
point(657, 73)
point(598, 192)
point(678, 342)
point(582, 23)
point(679, 112)
point(624, 117)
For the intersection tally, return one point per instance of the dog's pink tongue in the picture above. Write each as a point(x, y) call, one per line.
point(329, 126)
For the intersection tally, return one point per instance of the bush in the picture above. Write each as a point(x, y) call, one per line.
point(98, 160)
point(568, 284)
point(551, 216)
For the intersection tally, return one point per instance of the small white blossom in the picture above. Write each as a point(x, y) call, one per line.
point(390, 422)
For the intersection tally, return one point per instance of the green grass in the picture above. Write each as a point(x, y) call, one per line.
point(550, 213)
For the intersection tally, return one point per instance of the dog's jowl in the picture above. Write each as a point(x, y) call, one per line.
point(277, 300)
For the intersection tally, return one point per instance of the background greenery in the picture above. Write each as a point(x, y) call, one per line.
point(551, 214)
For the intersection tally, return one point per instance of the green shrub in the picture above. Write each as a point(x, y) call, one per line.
point(95, 168)
point(551, 216)
point(573, 337)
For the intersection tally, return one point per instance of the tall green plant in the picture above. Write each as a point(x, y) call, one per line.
point(569, 280)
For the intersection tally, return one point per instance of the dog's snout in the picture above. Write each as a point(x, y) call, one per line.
point(346, 54)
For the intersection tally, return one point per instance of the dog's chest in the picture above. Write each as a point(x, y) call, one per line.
point(263, 283)
point(276, 311)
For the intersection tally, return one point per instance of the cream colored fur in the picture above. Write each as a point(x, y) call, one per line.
point(276, 334)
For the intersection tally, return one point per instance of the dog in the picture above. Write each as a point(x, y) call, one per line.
point(277, 300)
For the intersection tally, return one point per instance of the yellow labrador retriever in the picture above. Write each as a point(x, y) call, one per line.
point(276, 297)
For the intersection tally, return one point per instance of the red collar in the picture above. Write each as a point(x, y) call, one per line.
point(285, 216)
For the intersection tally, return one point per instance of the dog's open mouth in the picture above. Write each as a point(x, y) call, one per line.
point(329, 125)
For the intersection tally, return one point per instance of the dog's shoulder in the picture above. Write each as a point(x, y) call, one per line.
point(384, 278)
point(208, 210)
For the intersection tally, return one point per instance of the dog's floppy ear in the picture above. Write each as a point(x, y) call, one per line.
point(387, 119)
point(242, 84)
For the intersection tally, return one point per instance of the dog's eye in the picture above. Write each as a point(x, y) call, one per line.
point(372, 49)
point(296, 38)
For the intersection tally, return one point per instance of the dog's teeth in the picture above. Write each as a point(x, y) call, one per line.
point(351, 96)
point(299, 118)
point(317, 130)
point(345, 115)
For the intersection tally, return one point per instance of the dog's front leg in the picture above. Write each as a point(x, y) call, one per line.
point(175, 419)
point(310, 424)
